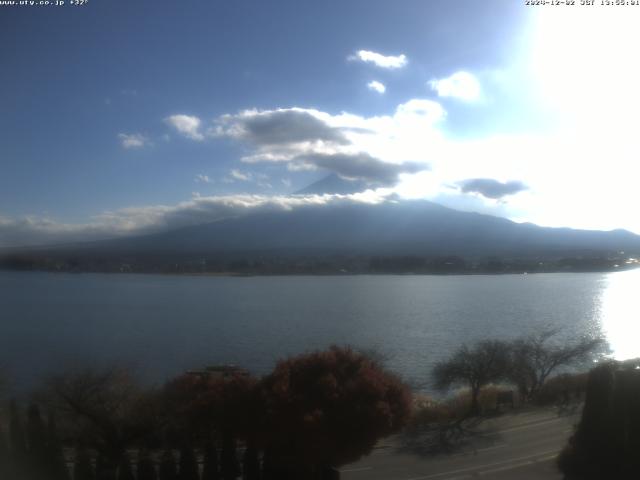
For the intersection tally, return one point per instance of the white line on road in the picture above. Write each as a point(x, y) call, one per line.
point(518, 465)
point(494, 464)
point(357, 469)
point(529, 425)
point(478, 450)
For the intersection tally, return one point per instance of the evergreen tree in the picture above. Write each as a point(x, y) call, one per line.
point(57, 464)
point(105, 469)
point(37, 443)
point(229, 465)
point(18, 460)
point(210, 466)
point(82, 468)
point(168, 470)
point(251, 463)
point(125, 471)
point(188, 464)
point(4, 456)
point(146, 468)
point(16, 433)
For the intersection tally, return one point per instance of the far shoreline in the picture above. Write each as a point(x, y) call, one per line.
point(319, 274)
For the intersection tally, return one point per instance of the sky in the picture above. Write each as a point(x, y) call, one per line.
point(123, 118)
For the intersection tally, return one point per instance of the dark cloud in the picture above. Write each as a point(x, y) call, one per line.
point(360, 166)
point(281, 127)
point(491, 188)
point(293, 136)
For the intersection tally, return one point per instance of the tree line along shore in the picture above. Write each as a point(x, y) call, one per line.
point(339, 264)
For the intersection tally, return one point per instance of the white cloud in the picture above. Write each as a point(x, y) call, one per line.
point(133, 140)
point(461, 85)
point(260, 179)
point(186, 125)
point(379, 60)
point(155, 218)
point(239, 175)
point(200, 178)
point(376, 86)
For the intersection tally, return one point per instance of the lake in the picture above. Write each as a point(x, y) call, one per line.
point(162, 324)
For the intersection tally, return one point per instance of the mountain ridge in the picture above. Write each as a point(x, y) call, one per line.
point(416, 227)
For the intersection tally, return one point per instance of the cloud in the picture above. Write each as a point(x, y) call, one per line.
point(278, 127)
point(360, 166)
point(376, 86)
point(186, 125)
point(238, 175)
point(491, 188)
point(260, 179)
point(379, 60)
point(29, 231)
point(374, 149)
point(461, 85)
point(200, 178)
point(133, 140)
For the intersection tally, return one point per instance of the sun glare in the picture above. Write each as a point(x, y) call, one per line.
point(620, 314)
point(582, 62)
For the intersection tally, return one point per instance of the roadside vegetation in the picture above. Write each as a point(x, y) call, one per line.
point(494, 376)
point(313, 413)
point(606, 441)
point(524, 363)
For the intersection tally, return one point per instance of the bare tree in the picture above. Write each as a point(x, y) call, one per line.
point(103, 409)
point(534, 358)
point(474, 367)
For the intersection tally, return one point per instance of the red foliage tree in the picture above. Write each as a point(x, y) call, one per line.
point(329, 408)
point(205, 406)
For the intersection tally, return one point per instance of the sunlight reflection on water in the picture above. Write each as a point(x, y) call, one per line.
point(620, 313)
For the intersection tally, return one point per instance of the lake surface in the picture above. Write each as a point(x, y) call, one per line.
point(163, 325)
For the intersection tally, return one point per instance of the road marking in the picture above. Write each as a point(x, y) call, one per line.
point(357, 469)
point(475, 468)
point(478, 450)
point(518, 465)
point(529, 425)
point(490, 448)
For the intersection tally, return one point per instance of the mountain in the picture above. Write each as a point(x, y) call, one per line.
point(419, 228)
point(334, 184)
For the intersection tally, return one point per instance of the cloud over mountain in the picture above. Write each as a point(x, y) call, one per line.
point(491, 188)
point(279, 127)
point(130, 221)
point(359, 166)
point(354, 147)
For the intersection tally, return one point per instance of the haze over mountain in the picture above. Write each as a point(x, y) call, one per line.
point(416, 228)
point(391, 228)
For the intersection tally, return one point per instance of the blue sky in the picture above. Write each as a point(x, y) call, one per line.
point(122, 117)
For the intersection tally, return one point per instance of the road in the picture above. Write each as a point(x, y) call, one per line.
point(514, 446)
